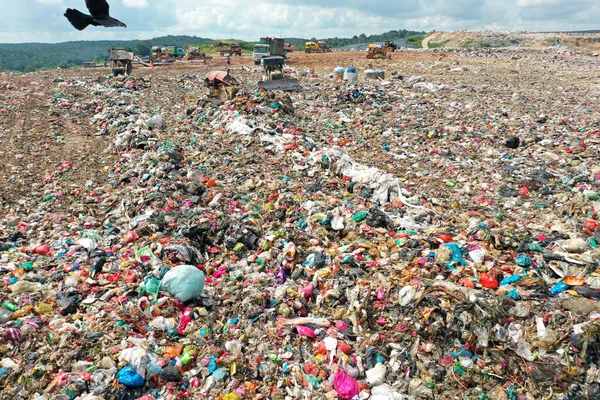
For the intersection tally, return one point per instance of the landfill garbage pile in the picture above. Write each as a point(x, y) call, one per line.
point(424, 237)
point(518, 41)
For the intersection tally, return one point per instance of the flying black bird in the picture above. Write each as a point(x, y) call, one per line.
point(99, 17)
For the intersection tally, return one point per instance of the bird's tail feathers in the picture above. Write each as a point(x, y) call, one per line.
point(78, 19)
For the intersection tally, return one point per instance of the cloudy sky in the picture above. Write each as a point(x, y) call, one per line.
point(43, 21)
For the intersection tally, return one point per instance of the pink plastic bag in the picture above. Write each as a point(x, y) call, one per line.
point(307, 290)
point(186, 318)
point(346, 387)
point(305, 331)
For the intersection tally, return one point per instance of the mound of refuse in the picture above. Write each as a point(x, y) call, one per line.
point(418, 238)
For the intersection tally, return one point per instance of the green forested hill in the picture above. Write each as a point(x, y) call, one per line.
point(34, 56)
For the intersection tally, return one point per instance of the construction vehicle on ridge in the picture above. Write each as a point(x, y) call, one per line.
point(376, 51)
point(167, 52)
point(319, 47)
point(195, 54)
point(390, 46)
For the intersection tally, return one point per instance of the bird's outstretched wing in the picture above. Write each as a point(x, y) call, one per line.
point(97, 7)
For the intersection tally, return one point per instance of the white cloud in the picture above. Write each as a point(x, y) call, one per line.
point(35, 20)
point(135, 3)
point(537, 3)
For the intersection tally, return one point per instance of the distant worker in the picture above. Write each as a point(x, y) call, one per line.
point(228, 59)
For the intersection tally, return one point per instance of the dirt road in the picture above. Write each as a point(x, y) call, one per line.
point(426, 41)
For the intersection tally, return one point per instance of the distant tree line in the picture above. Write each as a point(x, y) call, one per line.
point(358, 39)
point(28, 57)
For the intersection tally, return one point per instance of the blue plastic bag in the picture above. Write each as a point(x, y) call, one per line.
point(184, 282)
point(523, 260)
point(457, 258)
point(129, 377)
point(559, 288)
point(220, 374)
point(509, 280)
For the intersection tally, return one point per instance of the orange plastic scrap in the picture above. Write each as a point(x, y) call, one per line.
point(574, 281)
point(173, 351)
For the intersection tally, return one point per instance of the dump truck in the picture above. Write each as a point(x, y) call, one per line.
point(276, 46)
point(324, 46)
point(195, 54)
point(232, 49)
point(275, 79)
point(259, 52)
point(167, 52)
point(377, 51)
point(269, 47)
point(319, 47)
point(120, 61)
point(289, 48)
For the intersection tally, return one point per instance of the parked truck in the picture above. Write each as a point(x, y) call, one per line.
point(232, 49)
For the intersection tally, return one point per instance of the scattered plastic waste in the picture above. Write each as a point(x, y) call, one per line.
point(428, 237)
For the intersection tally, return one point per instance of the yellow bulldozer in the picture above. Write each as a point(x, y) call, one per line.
point(195, 54)
point(377, 52)
point(319, 47)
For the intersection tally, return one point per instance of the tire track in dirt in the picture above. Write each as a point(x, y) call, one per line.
point(34, 141)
